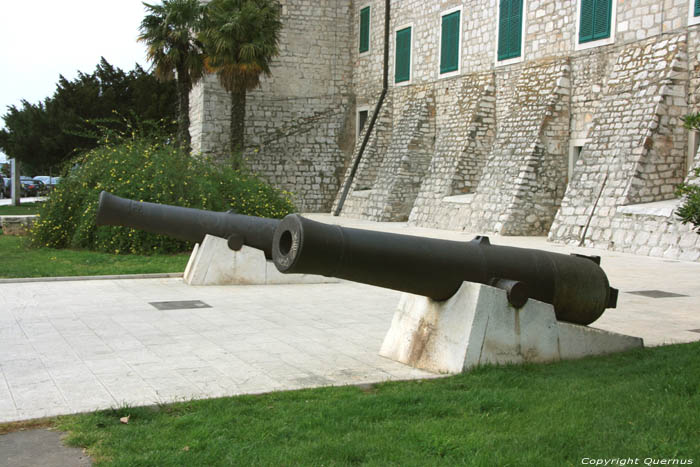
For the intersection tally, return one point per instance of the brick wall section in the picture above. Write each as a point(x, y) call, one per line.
point(465, 127)
point(636, 149)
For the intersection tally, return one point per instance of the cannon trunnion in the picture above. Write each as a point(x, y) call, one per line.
point(576, 286)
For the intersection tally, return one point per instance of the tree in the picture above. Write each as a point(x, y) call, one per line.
point(241, 38)
point(169, 31)
point(44, 135)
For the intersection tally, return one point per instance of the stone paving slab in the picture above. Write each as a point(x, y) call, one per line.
point(77, 346)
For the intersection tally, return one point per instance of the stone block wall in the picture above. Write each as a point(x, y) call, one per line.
point(636, 152)
point(491, 147)
point(370, 161)
point(407, 157)
point(300, 123)
point(523, 180)
point(465, 127)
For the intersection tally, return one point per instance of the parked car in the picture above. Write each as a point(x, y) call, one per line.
point(49, 182)
point(31, 187)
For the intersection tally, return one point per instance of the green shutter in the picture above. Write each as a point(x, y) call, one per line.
point(510, 29)
point(515, 27)
point(402, 66)
point(697, 7)
point(601, 19)
point(449, 46)
point(596, 19)
point(364, 30)
point(585, 32)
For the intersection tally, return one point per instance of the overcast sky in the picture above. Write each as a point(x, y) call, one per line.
point(42, 39)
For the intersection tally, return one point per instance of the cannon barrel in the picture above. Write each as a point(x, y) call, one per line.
point(576, 286)
point(187, 223)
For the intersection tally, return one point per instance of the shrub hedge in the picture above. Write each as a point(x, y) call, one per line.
point(689, 211)
point(145, 169)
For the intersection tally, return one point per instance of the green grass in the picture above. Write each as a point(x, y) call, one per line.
point(641, 404)
point(21, 210)
point(19, 261)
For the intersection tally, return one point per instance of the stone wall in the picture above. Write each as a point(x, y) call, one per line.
point(300, 123)
point(523, 180)
point(493, 147)
point(465, 127)
point(407, 157)
point(636, 152)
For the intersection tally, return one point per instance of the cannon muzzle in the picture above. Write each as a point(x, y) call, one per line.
point(575, 286)
point(187, 223)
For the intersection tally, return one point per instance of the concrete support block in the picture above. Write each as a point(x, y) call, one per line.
point(478, 326)
point(17, 225)
point(213, 263)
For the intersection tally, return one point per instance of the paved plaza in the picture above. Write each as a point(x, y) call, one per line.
point(79, 345)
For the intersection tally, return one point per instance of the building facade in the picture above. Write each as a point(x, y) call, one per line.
point(517, 117)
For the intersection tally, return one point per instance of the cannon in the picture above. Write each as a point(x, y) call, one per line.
point(575, 285)
point(187, 224)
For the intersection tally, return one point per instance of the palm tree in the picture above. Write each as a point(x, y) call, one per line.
point(170, 33)
point(241, 39)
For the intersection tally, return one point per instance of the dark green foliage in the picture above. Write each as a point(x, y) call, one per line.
point(43, 136)
point(689, 211)
point(145, 169)
point(169, 32)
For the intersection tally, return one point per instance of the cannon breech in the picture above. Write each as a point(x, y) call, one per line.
point(575, 286)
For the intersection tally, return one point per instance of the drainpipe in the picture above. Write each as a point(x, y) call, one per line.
point(377, 108)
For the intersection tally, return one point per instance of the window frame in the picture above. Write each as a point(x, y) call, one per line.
point(410, 56)
point(360, 53)
point(523, 32)
point(598, 42)
point(458, 71)
point(359, 110)
point(693, 18)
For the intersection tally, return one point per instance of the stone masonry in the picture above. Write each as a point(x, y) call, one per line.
point(522, 184)
point(465, 127)
point(567, 138)
point(300, 122)
point(636, 152)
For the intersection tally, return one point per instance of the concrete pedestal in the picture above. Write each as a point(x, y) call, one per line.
point(478, 326)
point(213, 263)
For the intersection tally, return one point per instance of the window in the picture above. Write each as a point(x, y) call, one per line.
point(596, 16)
point(510, 24)
point(693, 12)
point(364, 30)
point(449, 42)
point(362, 116)
point(402, 65)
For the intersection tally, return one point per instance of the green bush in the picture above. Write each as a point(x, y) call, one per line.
point(144, 169)
point(689, 211)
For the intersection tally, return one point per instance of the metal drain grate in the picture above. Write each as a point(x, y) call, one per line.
point(180, 305)
point(656, 294)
